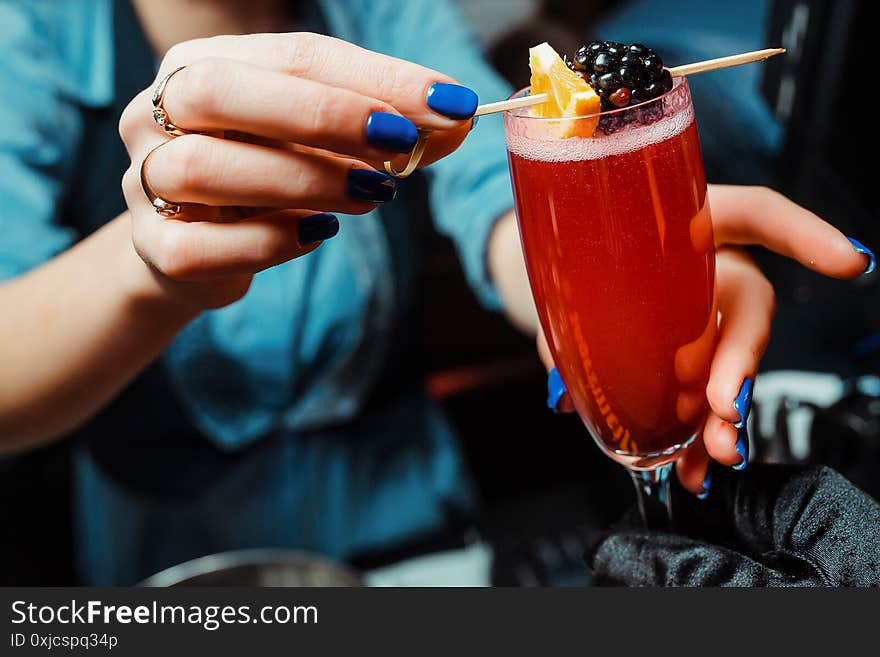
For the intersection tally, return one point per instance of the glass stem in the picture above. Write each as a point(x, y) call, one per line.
point(652, 493)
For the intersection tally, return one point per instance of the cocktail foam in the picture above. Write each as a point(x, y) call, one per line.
point(533, 138)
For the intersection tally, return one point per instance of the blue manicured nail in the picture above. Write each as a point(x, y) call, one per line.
point(707, 484)
point(452, 100)
point(555, 389)
point(743, 406)
point(743, 402)
point(317, 227)
point(742, 447)
point(371, 186)
point(391, 132)
point(864, 250)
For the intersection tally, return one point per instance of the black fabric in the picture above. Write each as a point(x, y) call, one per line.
point(766, 526)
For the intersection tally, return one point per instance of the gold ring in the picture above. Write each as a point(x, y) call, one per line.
point(160, 115)
point(161, 206)
point(414, 159)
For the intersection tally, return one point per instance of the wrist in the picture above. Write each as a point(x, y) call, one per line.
point(507, 268)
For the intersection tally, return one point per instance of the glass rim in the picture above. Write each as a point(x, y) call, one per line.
point(521, 112)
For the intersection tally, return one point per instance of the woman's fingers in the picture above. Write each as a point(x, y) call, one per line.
point(200, 250)
point(221, 172)
point(746, 305)
point(720, 439)
point(428, 98)
point(757, 215)
point(440, 144)
point(215, 94)
point(692, 469)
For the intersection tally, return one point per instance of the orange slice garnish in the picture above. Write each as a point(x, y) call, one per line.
point(570, 95)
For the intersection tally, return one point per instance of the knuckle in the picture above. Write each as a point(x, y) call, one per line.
point(130, 181)
point(303, 178)
point(300, 51)
point(175, 254)
point(179, 54)
point(273, 248)
point(199, 97)
point(718, 394)
point(323, 112)
point(397, 81)
point(133, 117)
point(391, 84)
point(140, 238)
point(186, 166)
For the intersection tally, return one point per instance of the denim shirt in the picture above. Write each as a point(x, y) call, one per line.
point(297, 356)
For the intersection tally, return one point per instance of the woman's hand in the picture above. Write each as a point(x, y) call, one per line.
point(740, 216)
point(283, 130)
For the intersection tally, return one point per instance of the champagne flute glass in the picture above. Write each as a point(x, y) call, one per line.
point(618, 243)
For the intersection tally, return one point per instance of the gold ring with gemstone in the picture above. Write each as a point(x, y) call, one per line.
point(161, 206)
point(160, 115)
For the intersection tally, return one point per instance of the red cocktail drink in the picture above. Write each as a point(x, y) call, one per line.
point(618, 243)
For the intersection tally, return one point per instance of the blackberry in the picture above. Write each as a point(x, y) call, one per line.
point(608, 84)
point(629, 76)
point(581, 60)
point(622, 75)
point(604, 62)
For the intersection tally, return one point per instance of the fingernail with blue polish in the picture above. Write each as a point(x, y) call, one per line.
point(707, 484)
point(391, 132)
point(371, 186)
point(555, 389)
point(743, 406)
point(864, 250)
point(452, 100)
point(742, 447)
point(743, 402)
point(317, 227)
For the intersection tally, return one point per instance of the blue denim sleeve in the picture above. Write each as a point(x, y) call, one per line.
point(38, 132)
point(469, 189)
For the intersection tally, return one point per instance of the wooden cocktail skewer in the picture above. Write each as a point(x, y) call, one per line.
point(725, 62)
point(677, 72)
point(513, 103)
point(537, 99)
